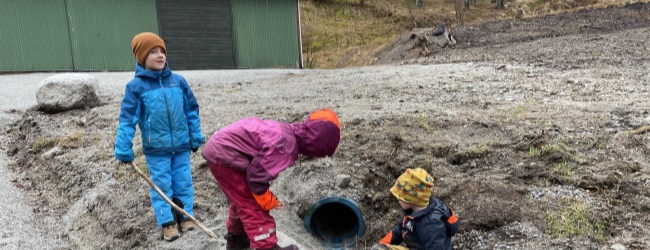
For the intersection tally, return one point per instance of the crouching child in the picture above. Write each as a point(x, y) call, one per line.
point(244, 157)
point(427, 222)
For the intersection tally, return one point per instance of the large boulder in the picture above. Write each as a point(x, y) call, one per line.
point(67, 91)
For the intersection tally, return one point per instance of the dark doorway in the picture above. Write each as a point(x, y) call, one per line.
point(198, 33)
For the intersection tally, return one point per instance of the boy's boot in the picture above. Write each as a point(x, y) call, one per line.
point(276, 247)
point(184, 224)
point(234, 242)
point(170, 231)
point(187, 225)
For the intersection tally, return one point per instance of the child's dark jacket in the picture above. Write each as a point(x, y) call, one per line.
point(430, 228)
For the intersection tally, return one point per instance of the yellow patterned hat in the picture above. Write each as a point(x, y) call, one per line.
point(414, 187)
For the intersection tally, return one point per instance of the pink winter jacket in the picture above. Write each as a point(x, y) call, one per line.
point(264, 148)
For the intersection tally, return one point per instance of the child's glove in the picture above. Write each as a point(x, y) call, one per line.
point(267, 201)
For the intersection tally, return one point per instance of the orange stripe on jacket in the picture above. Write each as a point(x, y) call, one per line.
point(452, 219)
point(267, 200)
point(387, 238)
point(325, 114)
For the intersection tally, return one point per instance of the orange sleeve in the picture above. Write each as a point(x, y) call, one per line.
point(387, 238)
point(452, 219)
point(267, 200)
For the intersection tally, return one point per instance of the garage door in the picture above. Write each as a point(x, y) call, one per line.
point(197, 33)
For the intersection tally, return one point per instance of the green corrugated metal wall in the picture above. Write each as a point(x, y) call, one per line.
point(101, 31)
point(34, 36)
point(266, 33)
point(64, 35)
point(43, 35)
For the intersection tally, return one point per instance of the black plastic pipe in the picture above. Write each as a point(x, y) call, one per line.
point(336, 221)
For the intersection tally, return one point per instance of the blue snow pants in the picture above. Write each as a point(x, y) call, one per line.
point(173, 176)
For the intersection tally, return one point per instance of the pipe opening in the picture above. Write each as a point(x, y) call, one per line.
point(336, 221)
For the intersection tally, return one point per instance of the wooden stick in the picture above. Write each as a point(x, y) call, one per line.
point(172, 203)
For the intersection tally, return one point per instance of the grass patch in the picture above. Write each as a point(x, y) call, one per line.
point(43, 143)
point(534, 151)
point(479, 150)
point(536, 3)
point(421, 122)
point(332, 28)
point(520, 110)
point(574, 219)
point(73, 140)
point(550, 149)
point(640, 130)
point(565, 170)
point(628, 167)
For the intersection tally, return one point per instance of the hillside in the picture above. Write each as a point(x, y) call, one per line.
point(344, 33)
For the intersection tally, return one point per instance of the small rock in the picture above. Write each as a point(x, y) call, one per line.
point(90, 207)
point(203, 164)
point(51, 153)
point(618, 246)
point(12, 150)
point(82, 122)
point(342, 180)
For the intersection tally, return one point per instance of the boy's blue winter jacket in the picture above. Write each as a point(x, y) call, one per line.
point(429, 228)
point(164, 108)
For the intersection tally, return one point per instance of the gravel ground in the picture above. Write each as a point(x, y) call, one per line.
point(518, 128)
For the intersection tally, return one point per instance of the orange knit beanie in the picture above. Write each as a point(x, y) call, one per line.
point(143, 43)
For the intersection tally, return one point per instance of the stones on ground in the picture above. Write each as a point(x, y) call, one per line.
point(51, 153)
point(342, 180)
point(67, 91)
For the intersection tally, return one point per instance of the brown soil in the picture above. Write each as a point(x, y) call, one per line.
point(534, 129)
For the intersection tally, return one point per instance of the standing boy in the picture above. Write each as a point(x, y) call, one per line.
point(163, 106)
point(427, 223)
point(246, 155)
